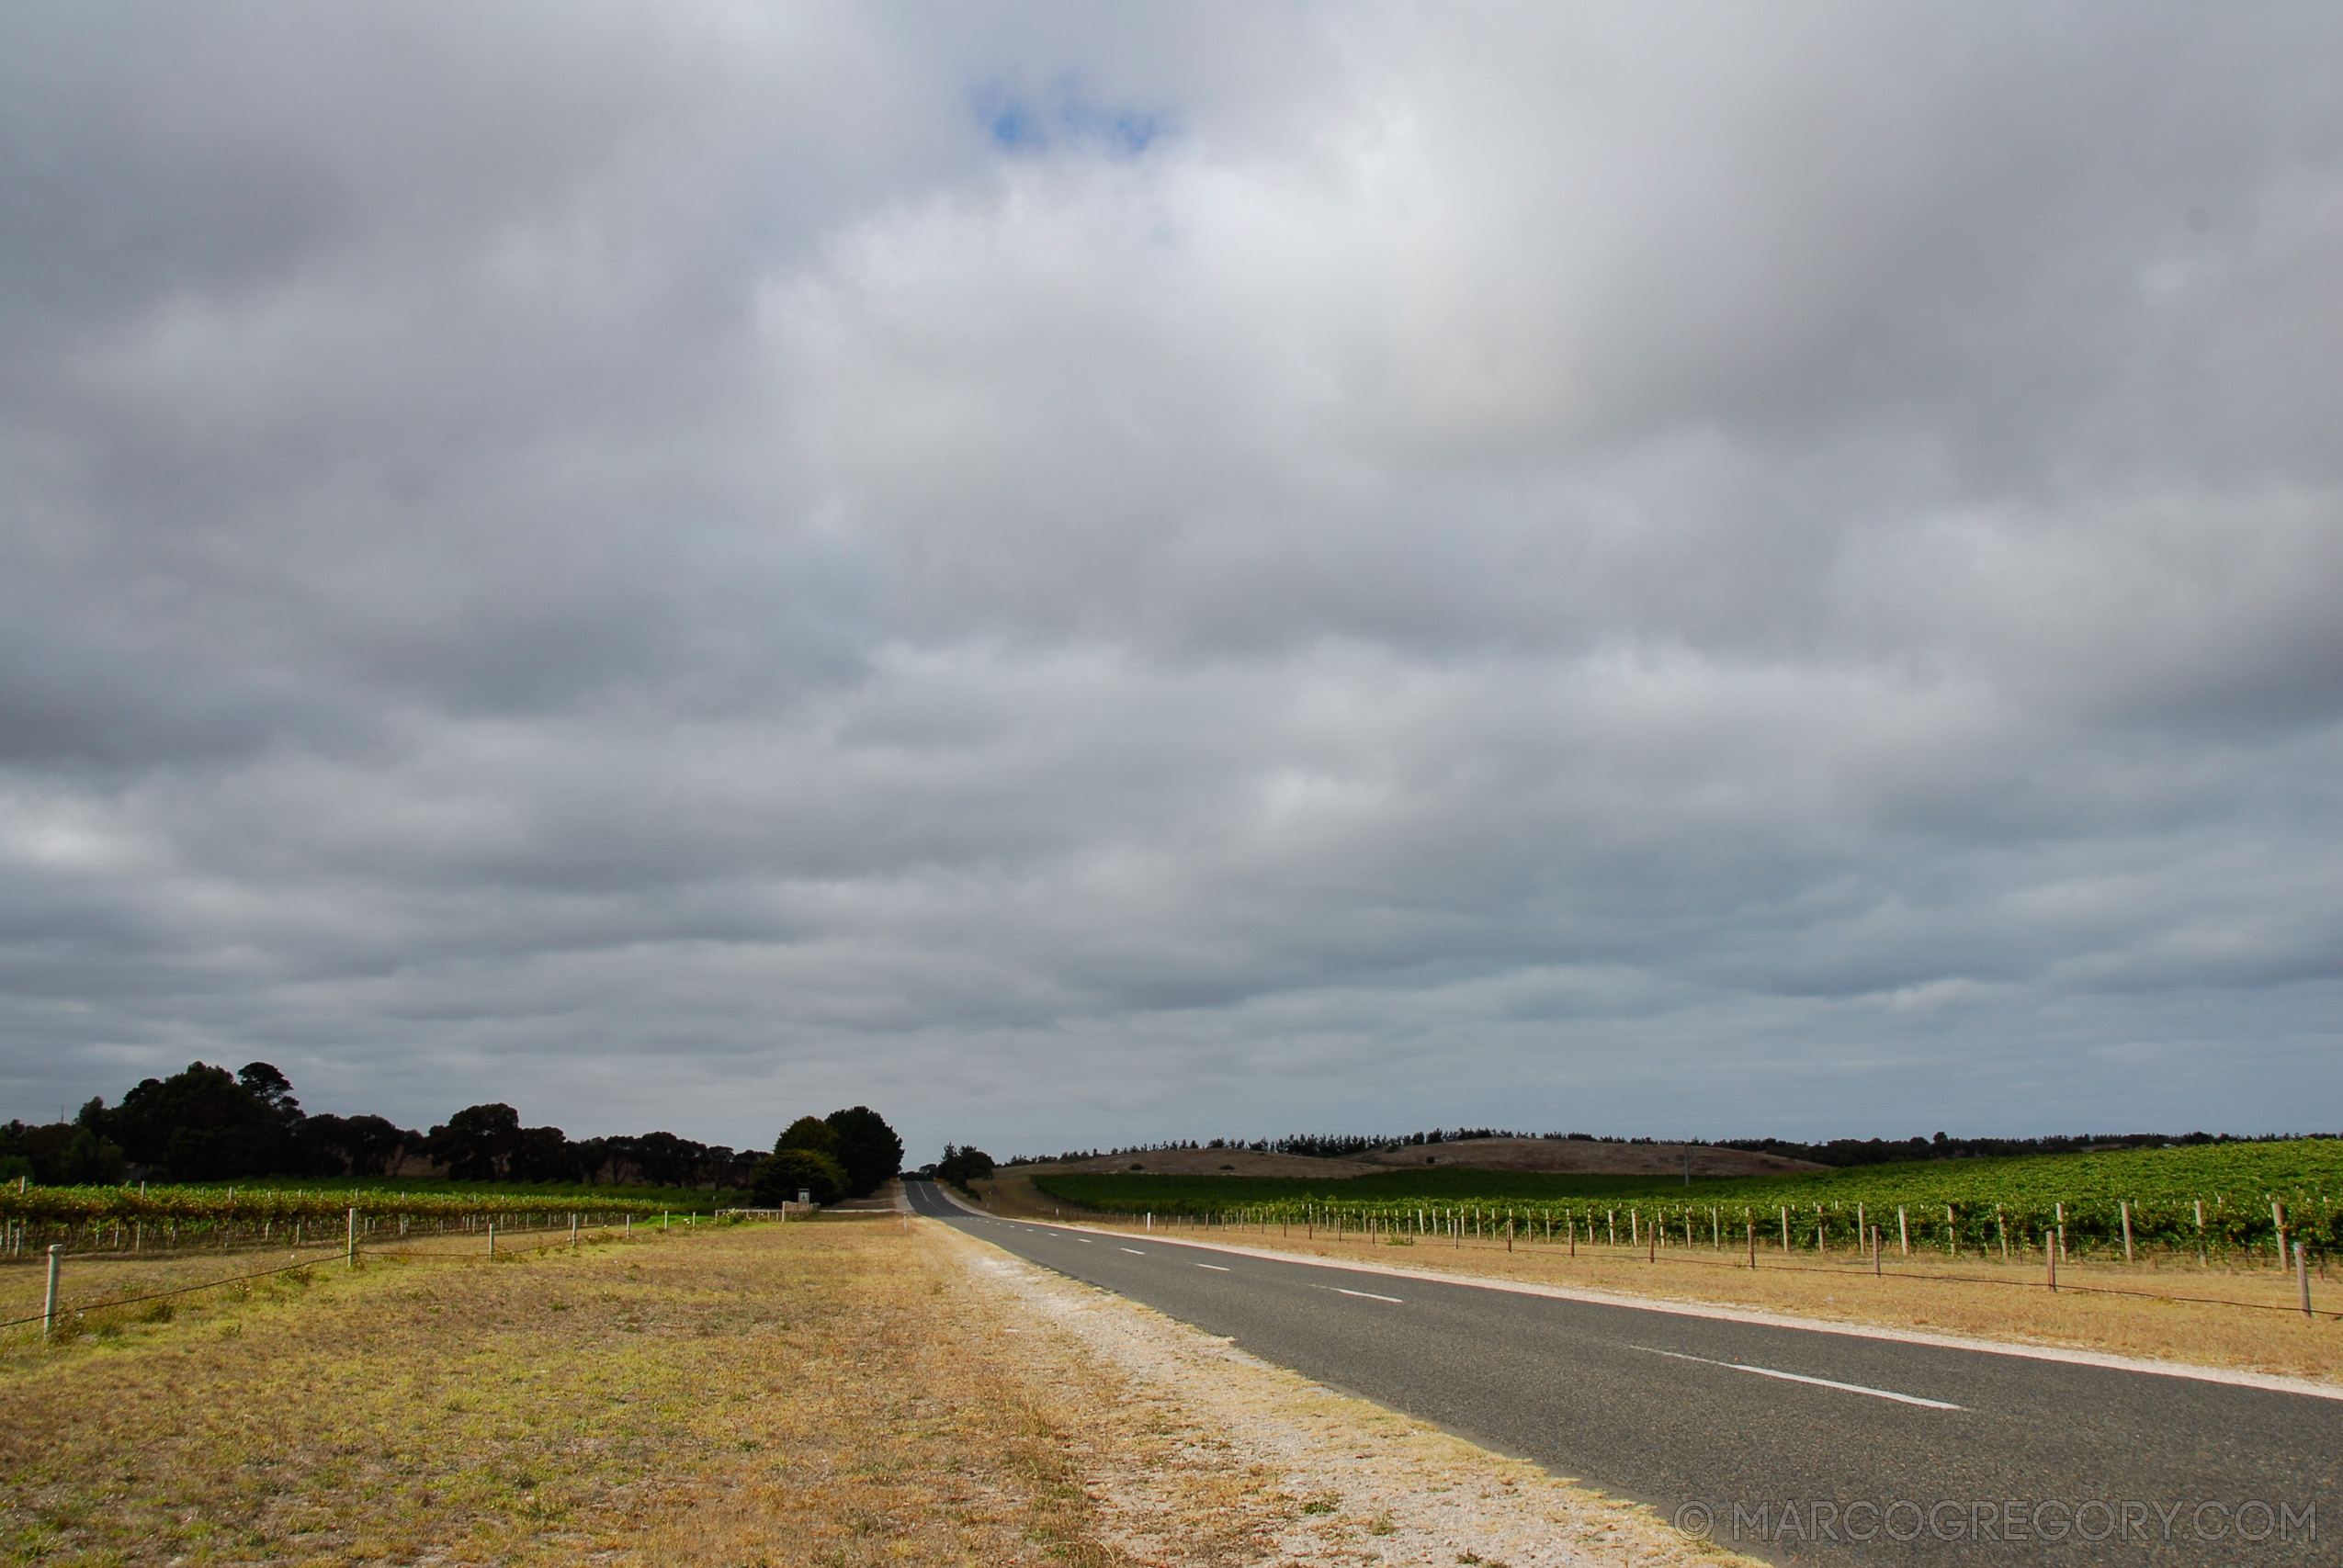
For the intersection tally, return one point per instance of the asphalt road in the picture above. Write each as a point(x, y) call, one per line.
point(1795, 1445)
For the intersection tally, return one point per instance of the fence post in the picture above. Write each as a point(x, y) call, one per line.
point(49, 1302)
point(492, 1237)
point(2125, 1208)
point(1752, 1225)
point(350, 1249)
point(1903, 1232)
point(2302, 1277)
point(2050, 1253)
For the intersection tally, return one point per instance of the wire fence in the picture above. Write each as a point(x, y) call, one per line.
point(353, 1246)
point(1486, 1228)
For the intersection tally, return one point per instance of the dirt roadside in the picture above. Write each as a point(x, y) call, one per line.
point(1200, 1453)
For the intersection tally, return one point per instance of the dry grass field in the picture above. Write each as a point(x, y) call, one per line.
point(849, 1391)
point(810, 1394)
point(1984, 1298)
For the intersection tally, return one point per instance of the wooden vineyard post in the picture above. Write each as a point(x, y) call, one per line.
point(2001, 1227)
point(1952, 1234)
point(2201, 1260)
point(1862, 1225)
point(2278, 1223)
point(2302, 1279)
point(1508, 1233)
point(2125, 1208)
point(350, 1242)
point(2050, 1257)
point(1752, 1226)
point(49, 1300)
point(491, 1239)
point(1785, 1230)
point(1903, 1232)
point(1613, 1215)
point(2060, 1210)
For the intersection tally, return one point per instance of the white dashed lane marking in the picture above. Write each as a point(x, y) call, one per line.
point(1798, 1376)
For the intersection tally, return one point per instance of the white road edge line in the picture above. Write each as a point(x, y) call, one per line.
point(1368, 1295)
point(1135, 1252)
point(1215, 1268)
point(1800, 1377)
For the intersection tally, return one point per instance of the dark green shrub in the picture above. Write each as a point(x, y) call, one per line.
point(784, 1173)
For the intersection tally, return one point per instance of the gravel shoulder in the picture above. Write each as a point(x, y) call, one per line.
point(1198, 1452)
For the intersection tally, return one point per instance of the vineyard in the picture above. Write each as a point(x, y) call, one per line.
point(137, 1219)
point(2206, 1199)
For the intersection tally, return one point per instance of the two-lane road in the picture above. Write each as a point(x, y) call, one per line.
point(1793, 1443)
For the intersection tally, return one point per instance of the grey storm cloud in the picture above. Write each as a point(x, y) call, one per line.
point(1083, 573)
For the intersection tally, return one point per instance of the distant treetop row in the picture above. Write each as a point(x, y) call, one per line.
point(208, 1124)
point(1841, 1152)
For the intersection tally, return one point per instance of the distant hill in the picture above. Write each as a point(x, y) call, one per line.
point(1572, 1156)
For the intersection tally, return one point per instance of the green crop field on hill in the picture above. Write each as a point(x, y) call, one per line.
point(2157, 1194)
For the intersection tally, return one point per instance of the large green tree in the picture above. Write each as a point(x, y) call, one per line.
point(809, 1133)
point(868, 1148)
point(204, 1124)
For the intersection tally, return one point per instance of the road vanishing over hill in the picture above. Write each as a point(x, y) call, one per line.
point(1789, 1444)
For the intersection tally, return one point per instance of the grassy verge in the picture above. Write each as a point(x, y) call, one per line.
point(1980, 1298)
point(813, 1393)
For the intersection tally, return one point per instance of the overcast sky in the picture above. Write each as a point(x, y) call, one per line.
point(1104, 572)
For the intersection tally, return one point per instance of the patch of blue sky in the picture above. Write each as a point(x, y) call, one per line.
point(1066, 116)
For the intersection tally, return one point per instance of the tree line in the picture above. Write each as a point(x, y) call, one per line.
point(209, 1125)
point(847, 1154)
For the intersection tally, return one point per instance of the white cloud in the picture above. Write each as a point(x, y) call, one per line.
point(1077, 575)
